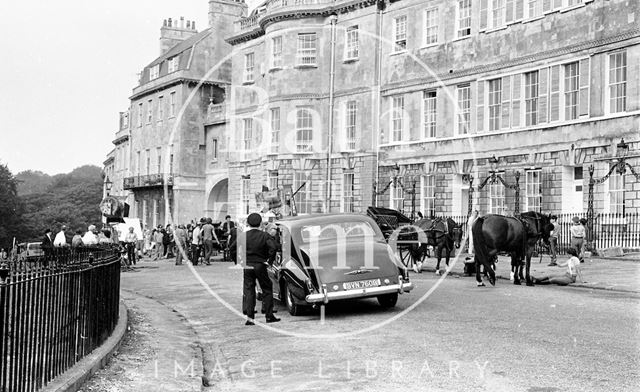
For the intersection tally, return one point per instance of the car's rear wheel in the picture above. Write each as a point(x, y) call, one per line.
point(388, 300)
point(293, 308)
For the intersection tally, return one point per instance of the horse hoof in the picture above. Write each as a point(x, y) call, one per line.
point(511, 276)
point(480, 284)
point(415, 269)
point(420, 268)
point(530, 283)
point(437, 272)
point(492, 281)
point(517, 282)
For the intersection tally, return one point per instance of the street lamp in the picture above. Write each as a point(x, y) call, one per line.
point(493, 161)
point(107, 185)
point(620, 165)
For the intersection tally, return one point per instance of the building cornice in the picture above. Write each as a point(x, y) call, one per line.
point(632, 36)
point(121, 139)
point(174, 82)
point(299, 11)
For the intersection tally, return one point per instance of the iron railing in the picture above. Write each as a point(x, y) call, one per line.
point(147, 181)
point(54, 310)
point(609, 230)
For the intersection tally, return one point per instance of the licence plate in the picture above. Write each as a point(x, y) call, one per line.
point(361, 284)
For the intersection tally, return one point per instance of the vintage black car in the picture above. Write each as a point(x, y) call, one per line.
point(332, 257)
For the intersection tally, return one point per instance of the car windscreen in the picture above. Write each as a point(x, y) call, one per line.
point(336, 231)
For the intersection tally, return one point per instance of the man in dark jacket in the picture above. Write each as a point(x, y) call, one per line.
point(47, 243)
point(259, 248)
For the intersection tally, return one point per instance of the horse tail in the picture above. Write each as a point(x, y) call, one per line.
point(482, 253)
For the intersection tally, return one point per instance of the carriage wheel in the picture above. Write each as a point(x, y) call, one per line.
point(406, 257)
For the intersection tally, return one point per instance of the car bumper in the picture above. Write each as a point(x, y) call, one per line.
point(326, 297)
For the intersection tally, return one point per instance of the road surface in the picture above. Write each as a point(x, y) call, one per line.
point(459, 338)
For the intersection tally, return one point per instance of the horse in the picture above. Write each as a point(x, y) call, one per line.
point(440, 237)
point(516, 235)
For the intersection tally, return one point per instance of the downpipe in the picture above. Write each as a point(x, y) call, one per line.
point(332, 77)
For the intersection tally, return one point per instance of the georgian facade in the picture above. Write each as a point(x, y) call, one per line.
point(159, 159)
point(359, 102)
point(427, 93)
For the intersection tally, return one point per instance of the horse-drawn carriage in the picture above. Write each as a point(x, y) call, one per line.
point(391, 223)
point(412, 239)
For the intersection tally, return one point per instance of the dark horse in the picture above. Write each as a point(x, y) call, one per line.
point(515, 235)
point(440, 237)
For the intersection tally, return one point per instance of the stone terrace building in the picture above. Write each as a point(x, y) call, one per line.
point(430, 92)
point(165, 134)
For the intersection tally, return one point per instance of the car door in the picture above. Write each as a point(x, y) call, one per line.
point(275, 270)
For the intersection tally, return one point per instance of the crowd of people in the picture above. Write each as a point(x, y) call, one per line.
point(198, 240)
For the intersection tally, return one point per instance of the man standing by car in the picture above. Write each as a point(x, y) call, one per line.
point(259, 248)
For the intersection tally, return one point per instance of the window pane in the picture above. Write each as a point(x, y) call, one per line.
point(429, 113)
point(495, 104)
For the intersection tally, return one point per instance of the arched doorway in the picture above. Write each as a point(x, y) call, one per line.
point(217, 204)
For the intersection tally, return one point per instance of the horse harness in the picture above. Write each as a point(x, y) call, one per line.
point(525, 228)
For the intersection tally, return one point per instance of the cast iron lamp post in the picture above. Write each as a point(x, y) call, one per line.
point(396, 181)
point(620, 165)
point(493, 178)
point(108, 185)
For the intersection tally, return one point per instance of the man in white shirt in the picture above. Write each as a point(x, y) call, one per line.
point(89, 237)
point(195, 244)
point(61, 240)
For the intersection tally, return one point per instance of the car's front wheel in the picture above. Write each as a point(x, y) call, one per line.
point(293, 308)
point(388, 300)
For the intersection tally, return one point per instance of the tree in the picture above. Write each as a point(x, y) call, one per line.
point(10, 208)
point(71, 199)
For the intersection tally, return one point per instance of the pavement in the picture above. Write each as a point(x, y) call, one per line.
point(598, 273)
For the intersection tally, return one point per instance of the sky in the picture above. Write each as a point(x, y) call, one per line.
point(68, 68)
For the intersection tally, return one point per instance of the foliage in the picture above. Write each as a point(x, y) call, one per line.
point(30, 181)
point(10, 207)
point(71, 199)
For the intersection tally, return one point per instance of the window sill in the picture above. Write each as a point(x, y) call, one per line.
point(429, 46)
point(247, 82)
point(398, 53)
point(529, 20)
point(351, 60)
point(573, 7)
point(494, 29)
point(461, 38)
point(303, 66)
point(274, 69)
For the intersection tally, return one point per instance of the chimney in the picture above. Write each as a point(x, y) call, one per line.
point(172, 33)
point(222, 14)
